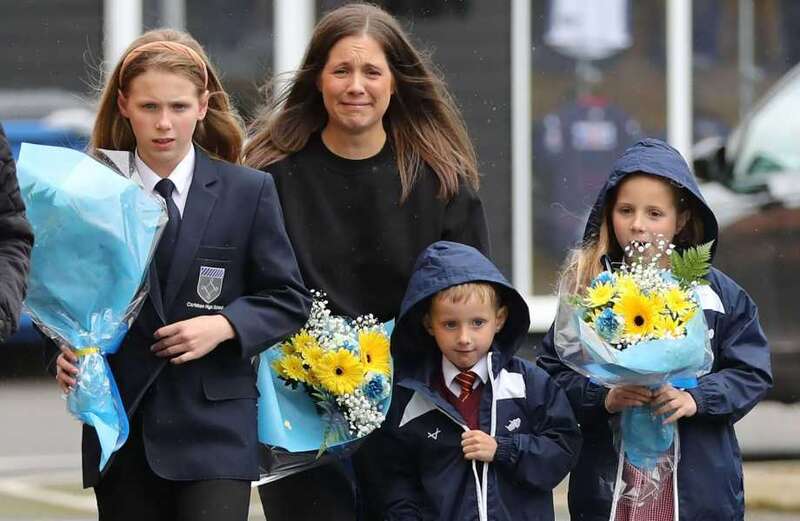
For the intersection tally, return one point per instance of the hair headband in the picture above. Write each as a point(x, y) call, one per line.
point(175, 47)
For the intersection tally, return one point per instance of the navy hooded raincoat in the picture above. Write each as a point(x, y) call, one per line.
point(427, 477)
point(709, 472)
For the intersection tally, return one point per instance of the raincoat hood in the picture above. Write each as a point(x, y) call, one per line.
point(442, 265)
point(654, 157)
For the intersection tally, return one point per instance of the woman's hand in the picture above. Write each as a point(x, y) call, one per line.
point(191, 339)
point(66, 369)
point(621, 397)
point(477, 445)
point(670, 400)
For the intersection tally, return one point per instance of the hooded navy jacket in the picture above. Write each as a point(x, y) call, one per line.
point(709, 470)
point(427, 477)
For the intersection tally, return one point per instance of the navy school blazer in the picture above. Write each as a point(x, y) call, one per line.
point(199, 418)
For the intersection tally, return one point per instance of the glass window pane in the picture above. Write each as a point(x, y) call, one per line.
point(598, 85)
point(237, 34)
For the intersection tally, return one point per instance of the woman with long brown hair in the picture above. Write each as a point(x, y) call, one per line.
point(373, 163)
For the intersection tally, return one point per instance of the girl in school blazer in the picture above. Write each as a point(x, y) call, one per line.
point(223, 285)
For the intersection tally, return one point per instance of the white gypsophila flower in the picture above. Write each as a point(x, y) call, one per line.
point(363, 416)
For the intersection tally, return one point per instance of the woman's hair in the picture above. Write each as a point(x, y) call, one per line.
point(583, 264)
point(422, 120)
point(220, 133)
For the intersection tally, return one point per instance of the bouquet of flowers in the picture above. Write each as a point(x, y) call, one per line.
point(641, 324)
point(328, 385)
point(95, 233)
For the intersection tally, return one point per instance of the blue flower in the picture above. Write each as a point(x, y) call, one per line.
point(604, 278)
point(608, 325)
point(376, 389)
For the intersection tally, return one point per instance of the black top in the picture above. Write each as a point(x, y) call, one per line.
point(352, 237)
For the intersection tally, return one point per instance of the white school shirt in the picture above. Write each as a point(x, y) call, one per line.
point(450, 371)
point(181, 177)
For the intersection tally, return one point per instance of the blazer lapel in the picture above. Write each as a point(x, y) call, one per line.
point(199, 206)
point(155, 291)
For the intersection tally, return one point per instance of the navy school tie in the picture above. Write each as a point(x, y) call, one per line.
point(166, 246)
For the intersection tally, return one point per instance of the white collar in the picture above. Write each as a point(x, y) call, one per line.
point(450, 371)
point(181, 176)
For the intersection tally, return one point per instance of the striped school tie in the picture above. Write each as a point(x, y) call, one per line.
point(466, 380)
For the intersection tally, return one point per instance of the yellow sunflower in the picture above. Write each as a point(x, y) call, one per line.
point(374, 349)
point(637, 311)
point(339, 372)
point(678, 301)
point(291, 367)
point(599, 295)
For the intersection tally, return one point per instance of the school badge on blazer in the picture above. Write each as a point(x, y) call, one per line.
point(209, 283)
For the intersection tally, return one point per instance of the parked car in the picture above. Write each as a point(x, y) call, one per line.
point(45, 117)
point(752, 182)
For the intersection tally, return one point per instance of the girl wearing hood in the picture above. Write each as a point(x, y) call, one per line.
point(473, 432)
point(651, 191)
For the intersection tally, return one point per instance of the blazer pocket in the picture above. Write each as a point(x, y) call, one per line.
point(216, 253)
point(230, 388)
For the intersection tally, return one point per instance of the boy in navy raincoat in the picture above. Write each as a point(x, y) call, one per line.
point(473, 433)
point(707, 481)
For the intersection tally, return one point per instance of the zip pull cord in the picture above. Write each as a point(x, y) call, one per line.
point(484, 499)
point(605, 260)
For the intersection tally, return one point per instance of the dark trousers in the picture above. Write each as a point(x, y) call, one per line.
point(324, 492)
point(130, 490)
point(344, 490)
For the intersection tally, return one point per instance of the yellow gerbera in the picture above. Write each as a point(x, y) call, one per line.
point(303, 340)
point(305, 344)
point(374, 348)
point(667, 326)
point(626, 285)
point(687, 315)
point(288, 347)
point(339, 372)
point(599, 295)
point(291, 367)
point(312, 354)
point(658, 302)
point(678, 301)
point(637, 311)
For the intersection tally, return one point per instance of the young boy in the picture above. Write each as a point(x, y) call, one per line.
point(473, 432)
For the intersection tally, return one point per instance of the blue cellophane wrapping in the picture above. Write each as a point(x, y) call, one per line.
point(652, 364)
point(96, 232)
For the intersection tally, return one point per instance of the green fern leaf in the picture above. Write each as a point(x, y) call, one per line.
point(693, 264)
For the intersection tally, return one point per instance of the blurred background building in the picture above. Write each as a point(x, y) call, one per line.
point(552, 90)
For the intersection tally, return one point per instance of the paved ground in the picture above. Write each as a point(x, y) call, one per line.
point(40, 463)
